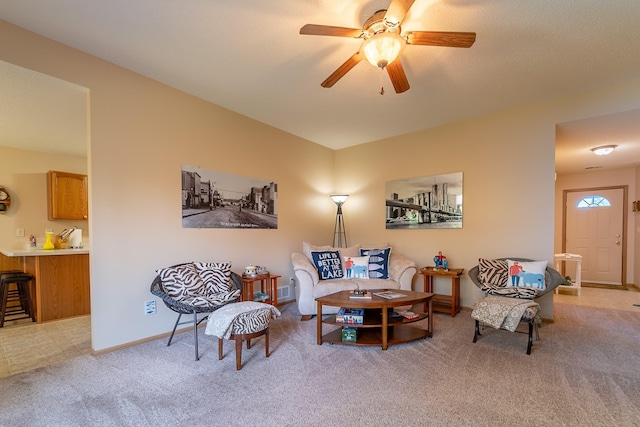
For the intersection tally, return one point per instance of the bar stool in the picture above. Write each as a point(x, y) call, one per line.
point(20, 295)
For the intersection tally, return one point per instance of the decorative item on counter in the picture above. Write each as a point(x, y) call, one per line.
point(61, 240)
point(33, 243)
point(261, 270)
point(75, 239)
point(441, 261)
point(48, 244)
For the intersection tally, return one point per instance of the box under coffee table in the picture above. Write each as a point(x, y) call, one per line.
point(376, 328)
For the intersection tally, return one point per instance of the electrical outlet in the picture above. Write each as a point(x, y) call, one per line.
point(150, 307)
point(19, 232)
point(292, 281)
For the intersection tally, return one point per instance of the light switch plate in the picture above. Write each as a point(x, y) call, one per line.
point(19, 232)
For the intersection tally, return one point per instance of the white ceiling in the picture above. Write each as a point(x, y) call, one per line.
point(248, 56)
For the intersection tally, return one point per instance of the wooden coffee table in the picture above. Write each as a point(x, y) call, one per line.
point(376, 328)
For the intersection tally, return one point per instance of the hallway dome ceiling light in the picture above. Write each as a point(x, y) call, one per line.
point(603, 150)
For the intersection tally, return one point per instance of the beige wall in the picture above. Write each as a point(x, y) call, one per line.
point(142, 131)
point(24, 174)
point(141, 134)
point(507, 161)
point(636, 218)
point(618, 177)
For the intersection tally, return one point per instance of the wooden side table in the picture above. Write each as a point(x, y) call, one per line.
point(268, 282)
point(444, 303)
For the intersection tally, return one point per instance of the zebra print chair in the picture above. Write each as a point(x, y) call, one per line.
point(491, 277)
point(195, 288)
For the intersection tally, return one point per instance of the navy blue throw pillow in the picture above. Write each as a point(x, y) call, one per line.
point(378, 262)
point(328, 264)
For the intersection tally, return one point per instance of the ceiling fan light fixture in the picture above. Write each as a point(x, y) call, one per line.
point(383, 48)
point(603, 150)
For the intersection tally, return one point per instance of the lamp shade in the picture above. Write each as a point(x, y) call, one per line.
point(339, 198)
point(383, 48)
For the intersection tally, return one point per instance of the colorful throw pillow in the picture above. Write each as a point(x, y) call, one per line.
point(215, 275)
point(492, 271)
point(526, 274)
point(378, 262)
point(356, 267)
point(181, 282)
point(307, 248)
point(328, 264)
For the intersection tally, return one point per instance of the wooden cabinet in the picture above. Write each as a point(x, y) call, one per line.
point(67, 195)
point(61, 286)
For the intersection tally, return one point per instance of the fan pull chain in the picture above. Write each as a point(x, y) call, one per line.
point(381, 85)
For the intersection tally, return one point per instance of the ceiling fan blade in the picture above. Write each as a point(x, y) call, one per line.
point(397, 11)
point(342, 70)
point(397, 76)
point(440, 38)
point(328, 30)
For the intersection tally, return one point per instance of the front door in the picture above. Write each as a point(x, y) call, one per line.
point(594, 229)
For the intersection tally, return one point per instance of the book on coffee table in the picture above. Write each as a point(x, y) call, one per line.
point(389, 294)
point(409, 314)
point(350, 315)
point(366, 295)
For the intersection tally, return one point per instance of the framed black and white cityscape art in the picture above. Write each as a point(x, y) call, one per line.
point(213, 199)
point(425, 202)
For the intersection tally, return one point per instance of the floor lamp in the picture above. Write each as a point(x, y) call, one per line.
point(339, 234)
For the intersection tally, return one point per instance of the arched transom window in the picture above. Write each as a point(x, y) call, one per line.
point(593, 202)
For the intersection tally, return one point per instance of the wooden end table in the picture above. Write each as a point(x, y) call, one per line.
point(444, 303)
point(268, 281)
point(376, 328)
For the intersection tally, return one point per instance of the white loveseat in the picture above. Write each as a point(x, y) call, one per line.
point(309, 286)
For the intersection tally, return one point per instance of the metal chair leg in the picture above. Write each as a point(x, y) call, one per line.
point(195, 332)
point(530, 340)
point(477, 333)
point(174, 329)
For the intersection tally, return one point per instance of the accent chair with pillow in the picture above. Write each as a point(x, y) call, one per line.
point(196, 287)
point(323, 270)
point(511, 286)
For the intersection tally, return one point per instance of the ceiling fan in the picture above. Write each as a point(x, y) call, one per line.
point(383, 42)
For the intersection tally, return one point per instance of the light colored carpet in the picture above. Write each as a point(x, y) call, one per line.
point(585, 371)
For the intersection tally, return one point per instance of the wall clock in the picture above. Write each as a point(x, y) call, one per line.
point(5, 200)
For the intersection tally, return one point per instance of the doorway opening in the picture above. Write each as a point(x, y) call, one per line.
point(594, 225)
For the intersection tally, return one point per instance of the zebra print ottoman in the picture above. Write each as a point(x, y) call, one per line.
point(241, 322)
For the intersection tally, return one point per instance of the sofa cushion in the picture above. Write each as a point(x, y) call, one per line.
point(492, 271)
point(526, 274)
point(356, 267)
point(378, 262)
point(354, 250)
point(307, 248)
point(328, 264)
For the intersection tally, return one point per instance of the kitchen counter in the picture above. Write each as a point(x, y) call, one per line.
point(60, 288)
point(42, 252)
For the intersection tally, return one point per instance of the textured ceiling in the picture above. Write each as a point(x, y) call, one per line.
point(248, 56)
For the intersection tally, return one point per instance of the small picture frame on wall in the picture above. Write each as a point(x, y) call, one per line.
point(424, 202)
